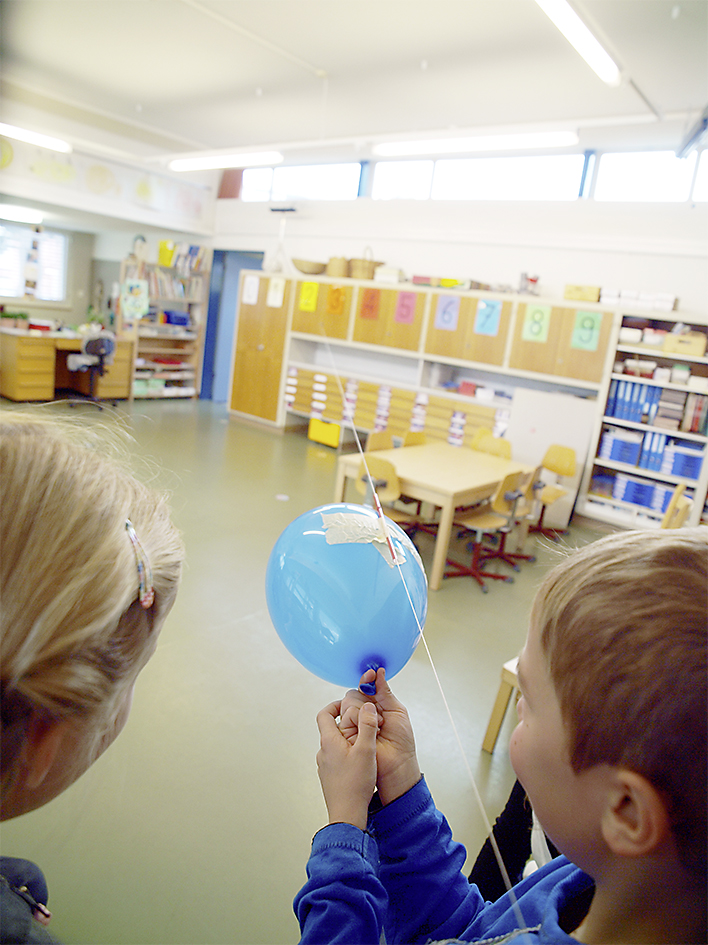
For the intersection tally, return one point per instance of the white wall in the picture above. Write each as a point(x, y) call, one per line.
point(650, 247)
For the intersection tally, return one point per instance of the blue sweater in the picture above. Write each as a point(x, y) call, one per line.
point(403, 878)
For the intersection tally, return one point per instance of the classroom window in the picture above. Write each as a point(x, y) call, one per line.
point(306, 182)
point(543, 177)
point(700, 187)
point(32, 263)
point(256, 183)
point(402, 180)
point(646, 176)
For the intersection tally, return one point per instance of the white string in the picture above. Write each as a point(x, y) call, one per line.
point(475, 790)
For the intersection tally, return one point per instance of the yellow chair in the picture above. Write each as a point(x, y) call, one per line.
point(415, 438)
point(496, 516)
point(560, 460)
point(678, 508)
point(479, 434)
point(379, 440)
point(386, 484)
point(496, 445)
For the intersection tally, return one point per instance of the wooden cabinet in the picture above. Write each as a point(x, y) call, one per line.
point(26, 367)
point(260, 345)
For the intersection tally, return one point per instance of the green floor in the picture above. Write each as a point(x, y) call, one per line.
point(195, 826)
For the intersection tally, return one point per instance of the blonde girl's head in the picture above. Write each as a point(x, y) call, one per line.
point(73, 631)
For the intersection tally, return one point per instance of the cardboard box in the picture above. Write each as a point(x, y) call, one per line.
point(582, 293)
point(692, 343)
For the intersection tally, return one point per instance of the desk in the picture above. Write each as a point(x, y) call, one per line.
point(33, 367)
point(448, 476)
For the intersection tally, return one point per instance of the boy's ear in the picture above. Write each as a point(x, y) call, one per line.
point(635, 820)
point(43, 740)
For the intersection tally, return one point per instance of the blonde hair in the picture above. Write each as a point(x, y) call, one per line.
point(72, 630)
point(623, 624)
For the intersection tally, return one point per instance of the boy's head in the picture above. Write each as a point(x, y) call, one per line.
point(621, 625)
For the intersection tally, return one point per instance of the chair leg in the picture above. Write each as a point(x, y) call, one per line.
point(508, 557)
point(474, 570)
point(553, 533)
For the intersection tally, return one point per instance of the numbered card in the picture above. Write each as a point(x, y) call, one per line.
point(276, 292)
point(405, 308)
point(586, 333)
point(336, 298)
point(370, 299)
point(487, 317)
point(447, 312)
point(249, 296)
point(537, 321)
point(308, 296)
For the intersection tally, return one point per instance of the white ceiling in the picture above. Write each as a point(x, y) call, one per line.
point(151, 78)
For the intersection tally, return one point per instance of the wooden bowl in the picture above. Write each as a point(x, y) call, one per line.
point(309, 268)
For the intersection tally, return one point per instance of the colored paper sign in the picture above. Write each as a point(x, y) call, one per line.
point(249, 296)
point(336, 297)
point(308, 296)
point(447, 312)
point(487, 317)
point(276, 292)
point(586, 333)
point(134, 299)
point(537, 321)
point(405, 308)
point(370, 300)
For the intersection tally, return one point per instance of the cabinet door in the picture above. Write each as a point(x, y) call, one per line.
point(322, 309)
point(389, 317)
point(258, 361)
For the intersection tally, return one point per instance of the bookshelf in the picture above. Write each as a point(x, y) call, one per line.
point(653, 431)
point(169, 336)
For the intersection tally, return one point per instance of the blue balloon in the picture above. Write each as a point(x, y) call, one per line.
point(336, 598)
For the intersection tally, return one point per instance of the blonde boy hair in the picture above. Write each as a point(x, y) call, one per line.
point(72, 629)
point(622, 623)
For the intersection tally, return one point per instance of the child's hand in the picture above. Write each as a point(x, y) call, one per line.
point(347, 768)
point(396, 759)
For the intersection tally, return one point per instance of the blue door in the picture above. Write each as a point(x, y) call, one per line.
point(221, 320)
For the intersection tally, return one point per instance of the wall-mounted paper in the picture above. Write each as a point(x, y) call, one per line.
point(370, 299)
point(447, 312)
point(308, 296)
point(276, 292)
point(586, 333)
point(336, 298)
point(249, 296)
point(134, 299)
point(537, 321)
point(486, 320)
point(405, 308)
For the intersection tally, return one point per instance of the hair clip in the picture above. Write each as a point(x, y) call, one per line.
point(147, 591)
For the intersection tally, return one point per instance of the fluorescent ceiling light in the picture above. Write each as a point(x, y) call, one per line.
point(510, 142)
point(32, 137)
point(210, 162)
point(20, 214)
point(579, 36)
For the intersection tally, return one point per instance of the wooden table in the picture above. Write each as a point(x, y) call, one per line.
point(447, 476)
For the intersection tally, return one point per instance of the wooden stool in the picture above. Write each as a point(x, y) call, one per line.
point(509, 682)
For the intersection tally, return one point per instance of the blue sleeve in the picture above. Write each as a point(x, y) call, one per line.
point(343, 900)
point(420, 868)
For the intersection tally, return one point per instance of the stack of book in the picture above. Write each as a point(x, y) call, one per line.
point(670, 409)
